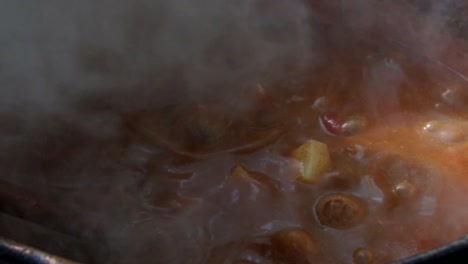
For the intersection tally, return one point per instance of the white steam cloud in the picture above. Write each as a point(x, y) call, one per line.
point(54, 53)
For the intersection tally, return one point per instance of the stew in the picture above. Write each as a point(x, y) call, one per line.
point(360, 160)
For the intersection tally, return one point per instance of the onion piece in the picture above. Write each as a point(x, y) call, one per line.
point(246, 147)
point(257, 178)
point(251, 140)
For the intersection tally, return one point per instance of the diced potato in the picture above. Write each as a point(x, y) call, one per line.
point(314, 160)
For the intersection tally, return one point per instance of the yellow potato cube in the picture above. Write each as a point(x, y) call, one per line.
point(314, 160)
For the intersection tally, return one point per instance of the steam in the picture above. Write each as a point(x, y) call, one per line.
point(68, 69)
point(405, 31)
point(144, 53)
point(83, 63)
point(135, 53)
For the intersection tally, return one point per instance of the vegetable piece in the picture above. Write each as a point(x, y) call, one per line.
point(201, 130)
point(331, 123)
point(353, 125)
point(294, 245)
point(239, 172)
point(199, 125)
point(259, 179)
point(340, 211)
point(314, 160)
point(404, 190)
point(363, 256)
point(337, 126)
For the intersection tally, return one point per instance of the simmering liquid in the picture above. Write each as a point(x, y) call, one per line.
point(205, 181)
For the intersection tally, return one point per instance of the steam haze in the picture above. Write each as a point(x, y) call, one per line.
point(144, 52)
point(71, 72)
point(57, 57)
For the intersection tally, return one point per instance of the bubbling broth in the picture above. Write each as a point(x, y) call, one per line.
point(351, 167)
point(362, 161)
